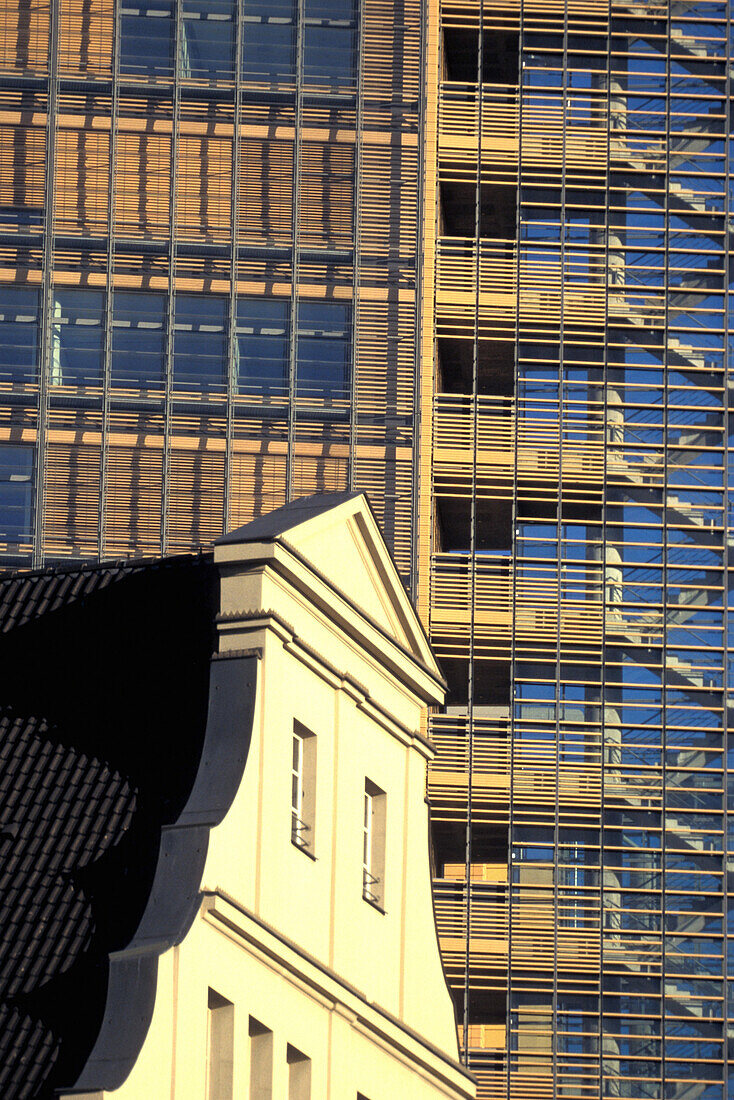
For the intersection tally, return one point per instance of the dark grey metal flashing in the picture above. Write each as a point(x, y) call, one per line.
point(175, 896)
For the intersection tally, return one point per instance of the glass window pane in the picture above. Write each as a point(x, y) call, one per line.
point(147, 38)
point(269, 41)
point(262, 346)
point(324, 348)
point(77, 336)
point(16, 493)
point(207, 45)
point(328, 55)
point(332, 11)
point(18, 333)
point(200, 342)
point(138, 339)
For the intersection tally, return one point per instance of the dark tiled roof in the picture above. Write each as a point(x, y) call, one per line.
point(25, 594)
point(100, 738)
point(59, 811)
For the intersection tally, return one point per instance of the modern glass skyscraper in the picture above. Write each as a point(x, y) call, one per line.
point(208, 213)
point(579, 568)
point(472, 256)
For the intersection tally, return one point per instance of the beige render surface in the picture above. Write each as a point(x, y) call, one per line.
point(287, 938)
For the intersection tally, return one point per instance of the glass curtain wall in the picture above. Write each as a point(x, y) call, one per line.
point(580, 578)
point(209, 214)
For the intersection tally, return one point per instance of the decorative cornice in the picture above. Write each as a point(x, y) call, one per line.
point(359, 693)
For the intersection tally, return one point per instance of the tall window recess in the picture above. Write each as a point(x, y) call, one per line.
point(303, 789)
point(373, 850)
point(261, 1061)
point(299, 1075)
point(220, 1066)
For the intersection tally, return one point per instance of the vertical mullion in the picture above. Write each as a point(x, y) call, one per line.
point(729, 737)
point(356, 245)
point(109, 281)
point(52, 113)
point(514, 544)
point(295, 254)
point(603, 549)
point(664, 556)
point(416, 481)
point(232, 381)
point(168, 397)
point(565, 121)
point(473, 520)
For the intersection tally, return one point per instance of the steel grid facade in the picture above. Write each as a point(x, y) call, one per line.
point(579, 563)
point(208, 217)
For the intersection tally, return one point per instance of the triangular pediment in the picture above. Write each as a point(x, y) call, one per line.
point(338, 536)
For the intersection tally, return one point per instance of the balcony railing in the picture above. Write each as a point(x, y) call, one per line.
point(460, 108)
point(544, 609)
point(506, 437)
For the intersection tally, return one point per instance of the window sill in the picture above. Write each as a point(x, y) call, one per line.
point(374, 904)
point(302, 848)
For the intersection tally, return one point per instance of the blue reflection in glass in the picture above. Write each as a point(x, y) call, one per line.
point(18, 333)
point(262, 346)
point(199, 342)
point(77, 336)
point(138, 338)
point(16, 493)
point(147, 36)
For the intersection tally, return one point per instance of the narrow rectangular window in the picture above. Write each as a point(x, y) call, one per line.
point(303, 789)
point(269, 42)
point(261, 1061)
point(373, 844)
point(77, 338)
point(324, 352)
point(299, 1075)
point(207, 40)
point(16, 495)
point(329, 44)
point(261, 346)
point(147, 36)
point(221, 1047)
point(19, 317)
point(200, 342)
point(138, 339)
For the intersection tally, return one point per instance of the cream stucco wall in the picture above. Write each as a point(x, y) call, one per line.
point(393, 956)
point(352, 1046)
